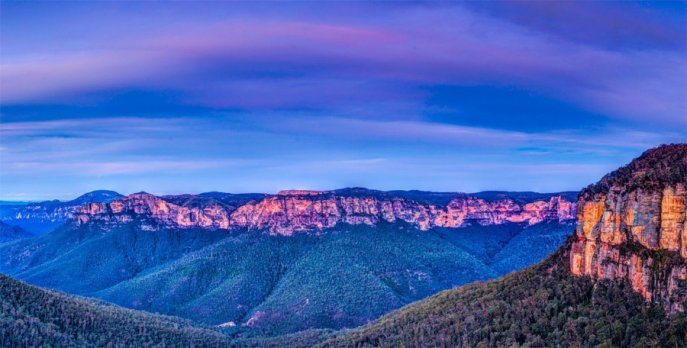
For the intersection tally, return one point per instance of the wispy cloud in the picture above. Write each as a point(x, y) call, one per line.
point(429, 132)
point(115, 168)
point(250, 97)
point(304, 63)
point(619, 25)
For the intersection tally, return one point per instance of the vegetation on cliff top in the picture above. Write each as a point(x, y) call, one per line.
point(655, 169)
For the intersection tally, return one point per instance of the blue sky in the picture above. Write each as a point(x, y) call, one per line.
point(258, 97)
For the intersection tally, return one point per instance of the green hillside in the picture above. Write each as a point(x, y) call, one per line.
point(342, 277)
point(34, 317)
point(9, 233)
point(542, 306)
point(83, 259)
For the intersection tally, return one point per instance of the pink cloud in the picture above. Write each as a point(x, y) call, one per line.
point(239, 64)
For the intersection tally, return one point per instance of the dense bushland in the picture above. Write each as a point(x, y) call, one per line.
point(542, 306)
point(340, 278)
point(655, 169)
point(34, 317)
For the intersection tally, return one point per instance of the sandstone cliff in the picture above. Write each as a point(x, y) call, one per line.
point(294, 211)
point(41, 217)
point(632, 225)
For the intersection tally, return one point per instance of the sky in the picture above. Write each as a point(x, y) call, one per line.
point(189, 97)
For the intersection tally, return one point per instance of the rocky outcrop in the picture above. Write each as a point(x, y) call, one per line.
point(155, 211)
point(42, 217)
point(289, 211)
point(43, 211)
point(294, 211)
point(632, 225)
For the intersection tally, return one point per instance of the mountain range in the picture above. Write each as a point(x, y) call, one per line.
point(275, 264)
point(41, 217)
point(284, 270)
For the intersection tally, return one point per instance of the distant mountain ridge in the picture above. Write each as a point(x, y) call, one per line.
point(293, 211)
point(96, 196)
point(42, 217)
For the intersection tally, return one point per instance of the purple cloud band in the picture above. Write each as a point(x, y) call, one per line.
point(304, 63)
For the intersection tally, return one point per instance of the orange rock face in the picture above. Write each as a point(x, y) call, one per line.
point(286, 214)
point(155, 208)
point(649, 219)
point(672, 218)
point(296, 211)
point(588, 218)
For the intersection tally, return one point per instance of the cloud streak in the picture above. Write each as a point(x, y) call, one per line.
point(251, 97)
point(254, 64)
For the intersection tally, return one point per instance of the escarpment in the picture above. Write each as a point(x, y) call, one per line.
point(42, 217)
point(157, 211)
point(294, 211)
point(632, 225)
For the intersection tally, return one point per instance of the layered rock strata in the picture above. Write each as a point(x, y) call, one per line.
point(289, 212)
point(632, 226)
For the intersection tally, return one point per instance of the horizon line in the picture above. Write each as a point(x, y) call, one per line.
point(39, 200)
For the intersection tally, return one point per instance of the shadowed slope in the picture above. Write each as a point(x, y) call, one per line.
point(9, 233)
point(30, 316)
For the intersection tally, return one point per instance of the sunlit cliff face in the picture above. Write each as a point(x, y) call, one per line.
point(635, 233)
point(300, 211)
